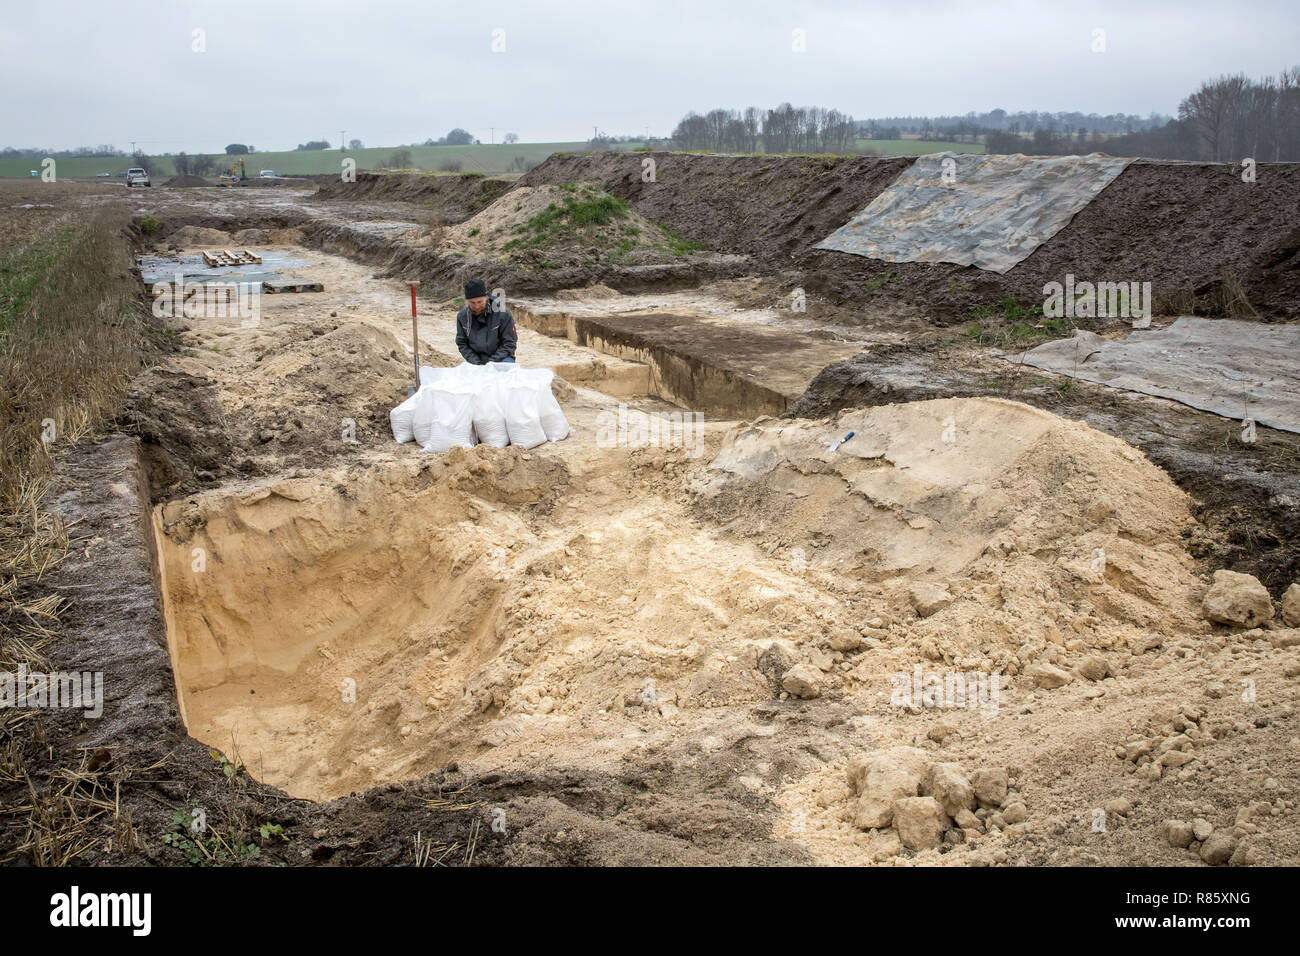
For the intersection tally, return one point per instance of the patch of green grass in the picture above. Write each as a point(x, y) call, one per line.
point(23, 271)
point(1008, 309)
point(579, 211)
point(916, 147)
point(479, 158)
point(1008, 324)
point(679, 246)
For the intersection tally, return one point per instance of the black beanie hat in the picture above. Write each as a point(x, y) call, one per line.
point(475, 288)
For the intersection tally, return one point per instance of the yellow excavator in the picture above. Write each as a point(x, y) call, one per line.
point(235, 174)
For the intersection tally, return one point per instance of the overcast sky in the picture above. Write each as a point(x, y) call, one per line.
point(277, 73)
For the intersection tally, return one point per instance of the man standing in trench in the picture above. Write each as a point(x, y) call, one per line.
point(484, 334)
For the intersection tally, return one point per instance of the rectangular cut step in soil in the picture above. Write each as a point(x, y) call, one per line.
point(724, 366)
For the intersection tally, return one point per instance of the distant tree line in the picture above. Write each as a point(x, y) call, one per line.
point(786, 129)
point(950, 128)
point(1232, 117)
point(1226, 120)
point(193, 165)
point(92, 152)
point(457, 137)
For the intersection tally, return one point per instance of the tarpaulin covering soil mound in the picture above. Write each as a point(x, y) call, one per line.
point(1240, 370)
point(985, 211)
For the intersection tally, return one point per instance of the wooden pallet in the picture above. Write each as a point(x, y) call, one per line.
point(225, 257)
point(273, 286)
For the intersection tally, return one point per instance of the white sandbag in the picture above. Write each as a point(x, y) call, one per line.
point(552, 417)
point(402, 419)
point(549, 412)
point(422, 414)
point(523, 422)
point(489, 417)
point(452, 422)
point(463, 373)
point(500, 403)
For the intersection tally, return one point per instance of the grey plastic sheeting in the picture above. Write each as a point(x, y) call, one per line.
point(1241, 370)
point(997, 210)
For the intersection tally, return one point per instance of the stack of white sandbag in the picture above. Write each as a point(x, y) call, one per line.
point(496, 404)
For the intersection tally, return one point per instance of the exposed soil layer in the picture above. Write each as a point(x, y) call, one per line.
point(698, 361)
point(454, 198)
point(189, 181)
point(1197, 232)
point(771, 208)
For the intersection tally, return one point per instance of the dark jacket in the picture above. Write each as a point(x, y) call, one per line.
point(489, 337)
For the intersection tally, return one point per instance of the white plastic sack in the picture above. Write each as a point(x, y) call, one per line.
point(489, 417)
point(500, 403)
point(523, 422)
point(452, 422)
point(422, 414)
point(552, 417)
point(402, 419)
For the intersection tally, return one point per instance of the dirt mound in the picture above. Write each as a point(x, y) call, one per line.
point(453, 198)
point(256, 401)
point(975, 515)
point(769, 207)
point(563, 223)
point(199, 237)
point(188, 181)
point(1223, 247)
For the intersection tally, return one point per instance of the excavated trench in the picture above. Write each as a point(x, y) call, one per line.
point(674, 375)
point(305, 617)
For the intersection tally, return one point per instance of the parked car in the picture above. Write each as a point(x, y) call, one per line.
point(135, 176)
point(103, 175)
point(268, 174)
